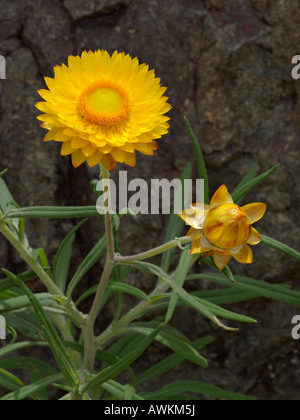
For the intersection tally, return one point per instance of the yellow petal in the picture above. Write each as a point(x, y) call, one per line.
point(130, 159)
point(119, 114)
point(221, 260)
point(255, 237)
point(94, 159)
point(243, 254)
point(200, 207)
point(200, 245)
point(66, 149)
point(146, 149)
point(78, 143)
point(78, 158)
point(222, 196)
point(194, 233)
point(89, 150)
point(52, 134)
point(254, 211)
point(192, 218)
point(118, 154)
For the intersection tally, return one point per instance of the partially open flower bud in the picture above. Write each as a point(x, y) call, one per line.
point(224, 229)
point(227, 226)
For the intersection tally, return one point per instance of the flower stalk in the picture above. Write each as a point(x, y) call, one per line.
point(179, 242)
point(90, 342)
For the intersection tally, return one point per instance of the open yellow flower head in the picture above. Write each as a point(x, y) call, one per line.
point(104, 108)
point(224, 229)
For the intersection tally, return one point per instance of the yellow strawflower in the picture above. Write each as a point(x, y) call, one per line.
point(223, 229)
point(104, 108)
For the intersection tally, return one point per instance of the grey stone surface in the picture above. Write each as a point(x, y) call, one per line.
point(228, 68)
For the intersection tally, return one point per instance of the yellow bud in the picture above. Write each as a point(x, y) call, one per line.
point(227, 226)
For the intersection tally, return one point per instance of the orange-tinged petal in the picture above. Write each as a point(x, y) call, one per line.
point(255, 237)
point(222, 196)
point(243, 254)
point(200, 245)
point(254, 211)
point(221, 260)
point(109, 162)
point(194, 233)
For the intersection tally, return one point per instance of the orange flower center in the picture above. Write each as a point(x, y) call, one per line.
point(104, 103)
point(227, 226)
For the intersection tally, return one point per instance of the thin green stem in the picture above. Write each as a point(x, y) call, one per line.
point(153, 252)
point(88, 331)
point(127, 319)
point(135, 313)
point(27, 256)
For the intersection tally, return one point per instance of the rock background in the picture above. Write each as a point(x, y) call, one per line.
point(228, 68)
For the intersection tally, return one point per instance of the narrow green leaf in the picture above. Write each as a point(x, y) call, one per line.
point(183, 295)
point(26, 323)
point(3, 173)
point(101, 355)
point(113, 371)
point(247, 178)
point(8, 284)
point(21, 302)
point(29, 390)
point(279, 246)
point(121, 392)
point(19, 346)
point(7, 202)
point(62, 259)
point(225, 296)
point(240, 193)
point(181, 273)
point(27, 363)
point(50, 212)
point(170, 362)
point(224, 313)
point(183, 348)
point(129, 392)
point(176, 224)
point(195, 387)
point(56, 344)
point(10, 381)
point(259, 288)
point(90, 260)
point(129, 290)
point(200, 160)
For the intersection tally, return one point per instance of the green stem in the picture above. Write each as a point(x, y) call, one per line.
point(153, 252)
point(27, 256)
point(135, 313)
point(127, 319)
point(88, 331)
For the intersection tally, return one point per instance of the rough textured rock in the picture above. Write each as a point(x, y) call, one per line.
point(228, 68)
